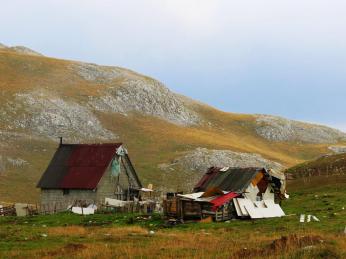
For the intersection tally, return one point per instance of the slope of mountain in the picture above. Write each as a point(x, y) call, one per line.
point(326, 165)
point(20, 49)
point(43, 98)
point(280, 129)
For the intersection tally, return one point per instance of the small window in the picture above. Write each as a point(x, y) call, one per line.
point(66, 191)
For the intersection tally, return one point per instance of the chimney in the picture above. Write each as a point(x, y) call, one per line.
point(60, 141)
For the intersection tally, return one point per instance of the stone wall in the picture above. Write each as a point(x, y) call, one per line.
point(108, 187)
point(51, 196)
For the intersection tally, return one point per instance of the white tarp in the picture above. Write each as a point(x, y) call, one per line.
point(242, 203)
point(237, 208)
point(83, 211)
point(191, 196)
point(21, 209)
point(92, 206)
point(115, 202)
point(251, 192)
point(268, 194)
point(145, 190)
point(259, 209)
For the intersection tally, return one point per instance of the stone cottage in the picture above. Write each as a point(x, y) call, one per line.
point(89, 172)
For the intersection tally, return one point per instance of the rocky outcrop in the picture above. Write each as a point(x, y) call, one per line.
point(201, 159)
point(9, 162)
point(25, 50)
point(148, 97)
point(21, 49)
point(326, 165)
point(129, 92)
point(275, 128)
point(338, 149)
point(96, 73)
point(2, 165)
point(52, 116)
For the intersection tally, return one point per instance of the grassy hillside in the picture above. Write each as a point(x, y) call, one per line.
point(38, 91)
point(327, 165)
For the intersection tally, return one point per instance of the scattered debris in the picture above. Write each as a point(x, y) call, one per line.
point(315, 218)
point(83, 211)
point(302, 218)
point(226, 193)
point(308, 218)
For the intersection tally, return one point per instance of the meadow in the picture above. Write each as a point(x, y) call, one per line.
point(67, 235)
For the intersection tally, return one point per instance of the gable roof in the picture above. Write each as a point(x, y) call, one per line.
point(233, 179)
point(78, 166)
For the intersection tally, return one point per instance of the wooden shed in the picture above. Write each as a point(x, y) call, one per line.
point(225, 193)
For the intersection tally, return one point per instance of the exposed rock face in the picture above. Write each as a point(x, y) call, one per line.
point(95, 73)
point(279, 129)
point(2, 165)
point(326, 165)
point(148, 97)
point(6, 162)
point(51, 116)
point(338, 149)
point(201, 159)
point(25, 50)
point(131, 92)
point(140, 94)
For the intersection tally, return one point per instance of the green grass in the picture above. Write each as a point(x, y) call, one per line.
point(24, 236)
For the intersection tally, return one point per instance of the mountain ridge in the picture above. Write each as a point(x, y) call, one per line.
point(43, 98)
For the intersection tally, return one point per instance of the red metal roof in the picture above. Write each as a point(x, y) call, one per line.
point(223, 199)
point(78, 166)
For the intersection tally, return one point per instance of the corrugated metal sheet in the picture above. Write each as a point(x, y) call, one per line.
point(223, 199)
point(209, 175)
point(232, 180)
point(57, 168)
point(78, 166)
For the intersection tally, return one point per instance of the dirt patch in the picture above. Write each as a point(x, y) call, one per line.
point(68, 249)
point(293, 241)
point(277, 246)
point(74, 247)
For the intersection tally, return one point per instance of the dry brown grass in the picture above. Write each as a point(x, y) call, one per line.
point(136, 242)
point(67, 231)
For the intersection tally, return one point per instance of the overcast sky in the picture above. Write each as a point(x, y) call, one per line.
point(282, 57)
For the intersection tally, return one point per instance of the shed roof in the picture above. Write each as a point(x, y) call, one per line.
point(78, 166)
point(234, 179)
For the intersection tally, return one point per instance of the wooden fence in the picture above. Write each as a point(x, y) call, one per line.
point(56, 207)
point(7, 210)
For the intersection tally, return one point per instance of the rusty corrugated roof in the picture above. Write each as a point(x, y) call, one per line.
point(78, 166)
point(233, 180)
